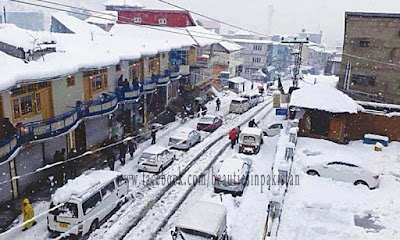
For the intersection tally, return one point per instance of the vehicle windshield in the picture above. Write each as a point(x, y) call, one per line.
point(148, 157)
point(207, 119)
point(236, 102)
point(188, 234)
point(68, 210)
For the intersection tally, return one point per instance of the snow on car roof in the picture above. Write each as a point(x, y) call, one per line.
point(249, 130)
point(231, 167)
point(323, 97)
point(83, 185)
point(207, 119)
point(182, 133)
point(155, 149)
point(239, 99)
point(205, 217)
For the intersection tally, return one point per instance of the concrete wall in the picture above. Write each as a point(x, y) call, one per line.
point(5, 189)
point(65, 97)
point(52, 145)
point(383, 37)
point(97, 130)
point(164, 62)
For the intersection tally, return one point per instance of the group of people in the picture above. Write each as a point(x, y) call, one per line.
point(123, 148)
point(234, 136)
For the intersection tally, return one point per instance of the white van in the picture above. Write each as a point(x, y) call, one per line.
point(239, 105)
point(86, 201)
point(253, 99)
point(155, 159)
point(205, 220)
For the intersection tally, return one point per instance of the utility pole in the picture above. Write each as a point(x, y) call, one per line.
point(296, 45)
point(5, 14)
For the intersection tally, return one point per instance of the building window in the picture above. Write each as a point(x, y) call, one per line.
point(257, 47)
point(97, 83)
point(363, 80)
point(162, 21)
point(364, 43)
point(137, 20)
point(16, 108)
point(179, 57)
point(256, 59)
point(118, 67)
point(71, 80)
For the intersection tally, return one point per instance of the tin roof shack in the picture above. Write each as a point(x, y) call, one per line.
point(323, 112)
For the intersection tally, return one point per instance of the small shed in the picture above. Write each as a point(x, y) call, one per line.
point(237, 84)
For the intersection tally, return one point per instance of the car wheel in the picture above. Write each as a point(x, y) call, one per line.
point(313, 173)
point(160, 169)
point(94, 226)
point(361, 182)
point(240, 150)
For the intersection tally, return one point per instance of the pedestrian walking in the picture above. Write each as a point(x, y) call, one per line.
point(153, 135)
point(122, 153)
point(237, 131)
point(110, 158)
point(218, 104)
point(28, 213)
point(253, 123)
point(232, 137)
point(132, 146)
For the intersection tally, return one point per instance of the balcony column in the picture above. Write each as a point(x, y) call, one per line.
point(145, 109)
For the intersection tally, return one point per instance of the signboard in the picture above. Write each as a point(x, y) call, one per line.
point(277, 101)
point(281, 111)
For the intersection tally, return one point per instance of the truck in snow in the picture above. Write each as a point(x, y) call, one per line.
point(79, 206)
point(205, 221)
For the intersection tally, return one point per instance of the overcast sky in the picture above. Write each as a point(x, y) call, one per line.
point(290, 16)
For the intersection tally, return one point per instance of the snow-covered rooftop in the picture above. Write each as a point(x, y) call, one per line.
point(237, 80)
point(243, 33)
point(105, 17)
point(124, 3)
point(254, 41)
point(231, 46)
point(323, 97)
point(76, 25)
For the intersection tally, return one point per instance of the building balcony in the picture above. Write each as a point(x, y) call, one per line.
point(174, 72)
point(163, 79)
point(102, 106)
point(131, 94)
point(184, 70)
point(8, 146)
point(150, 85)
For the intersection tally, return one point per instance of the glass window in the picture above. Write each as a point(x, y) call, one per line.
point(16, 108)
point(71, 80)
point(38, 102)
point(120, 181)
point(97, 83)
point(107, 190)
point(26, 104)
point(68, 210)
point(91, 203)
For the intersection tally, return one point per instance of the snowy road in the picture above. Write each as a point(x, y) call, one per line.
point(252, 205)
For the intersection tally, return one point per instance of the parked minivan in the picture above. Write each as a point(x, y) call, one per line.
point(205, 220)
point(85, 201)
point(253, 99)
point(239, 105)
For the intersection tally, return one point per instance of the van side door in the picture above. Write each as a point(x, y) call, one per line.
point(109, 196)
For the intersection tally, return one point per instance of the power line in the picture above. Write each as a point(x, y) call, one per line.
point(214, 19)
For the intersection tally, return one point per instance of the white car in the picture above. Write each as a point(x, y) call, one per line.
point(346, 172)
point(184, 138)
point(155, 159)
point(233, 176)
point(273, 129)
point(271, 90)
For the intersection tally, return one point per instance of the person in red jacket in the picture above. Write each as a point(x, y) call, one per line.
point(232, 137)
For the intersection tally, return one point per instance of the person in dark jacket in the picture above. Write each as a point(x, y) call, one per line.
point(120, 81)
point(126, 85)
point(218, 103)
point(122, 153)
point(253, 123)
point(237, 131)
point(132, 146)
point(153, 135)
point(110, 159)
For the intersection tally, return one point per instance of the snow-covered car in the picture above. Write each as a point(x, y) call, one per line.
point(271, 90)
point(155, 159)
point(85, 201)
point(260, 98)
point(346, 172)
point(209, 123)
point(239, 105)
point(273, 130)
point(253, 99)
point(184, 138)
point(205, 220)
point(233, 176)
point(250, 140)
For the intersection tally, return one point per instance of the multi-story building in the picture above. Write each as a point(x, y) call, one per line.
point(83, 93)
point(210, 25)
point(371, 55)
point(315, 56)
point(314, 37)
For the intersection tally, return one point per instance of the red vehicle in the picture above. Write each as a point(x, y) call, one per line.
point(209, 123)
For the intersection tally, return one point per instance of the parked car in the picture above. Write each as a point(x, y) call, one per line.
point(205, 220)
point(209, 123)
point(233, 175)
point(253, 99)
point(184, 138)
point(250, 140)
point(273, 130)
point(239, 105)
point(155, 159)
point(260, 98)
point(271, 90)
point(86, 201)
point(346, 172)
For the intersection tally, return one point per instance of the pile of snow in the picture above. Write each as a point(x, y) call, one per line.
point(323, 97)
point(321, 79)
point(105, 17)
point(124, 3)
point(231, 46)
point(76, 25)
